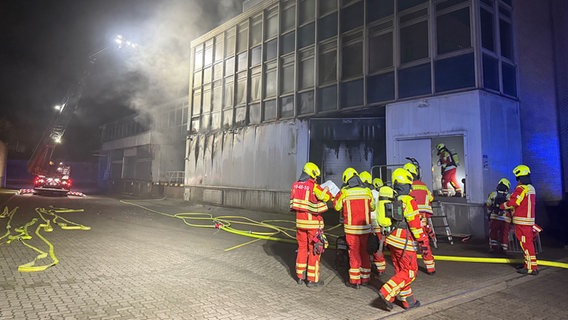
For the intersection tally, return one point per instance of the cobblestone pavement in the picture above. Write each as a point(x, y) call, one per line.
point(141, 264)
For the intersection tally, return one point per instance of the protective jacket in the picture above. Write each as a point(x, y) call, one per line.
point(402, 237)
point(424, 198)
point(496, 213)
point(523, 200)
point(309, 199)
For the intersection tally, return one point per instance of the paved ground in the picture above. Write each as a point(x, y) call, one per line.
point(143, 263)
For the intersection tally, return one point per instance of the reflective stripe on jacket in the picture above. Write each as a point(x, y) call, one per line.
point(523, 201)
point(423, 197)
point(356, 205)
point(308, 199)
point(400, 237)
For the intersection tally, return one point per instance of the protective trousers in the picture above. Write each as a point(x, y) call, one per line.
point(405, 267)
point(427, 256)
point(499, 234)
point(359, 260)
point(525, 235)
point(307, 262)
point(449, 177)
point(379, 258)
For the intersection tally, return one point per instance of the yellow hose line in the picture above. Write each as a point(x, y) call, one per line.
point(241, 245)
point(226, 223)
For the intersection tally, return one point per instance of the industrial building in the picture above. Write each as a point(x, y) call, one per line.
point(365, 84)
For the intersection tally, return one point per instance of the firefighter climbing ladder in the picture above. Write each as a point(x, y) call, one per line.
point(441, 221)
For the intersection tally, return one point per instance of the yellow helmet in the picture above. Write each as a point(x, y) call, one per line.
point(312, 169)
point(387, 193)
point(348, 174)
point(440, 146)
point(366, 177)
point(401, 176)
point(410, 167)
point(505, 182)
point(521, 170)
point(377, 183)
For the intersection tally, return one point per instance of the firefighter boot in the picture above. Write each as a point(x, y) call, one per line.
point(410, 303)
point(530, 272)
point(383, 303)
point(312, 284)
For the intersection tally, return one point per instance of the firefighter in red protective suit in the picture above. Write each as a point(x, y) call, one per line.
point(403, 241)
point(449, 167)
point(308, 199)
point(378, 264)
point(423, 198)
point(523, 201)
point(499, 220)
point(355, 202)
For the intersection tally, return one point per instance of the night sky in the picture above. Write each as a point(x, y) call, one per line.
point(46, 46)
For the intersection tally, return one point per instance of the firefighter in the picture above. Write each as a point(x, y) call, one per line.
point(423, 198)
point(448, 163)
point(499, 220)
point(378, 264)
point(523, 201)
point(355, 202)
point(308, 200)
point(404, 239)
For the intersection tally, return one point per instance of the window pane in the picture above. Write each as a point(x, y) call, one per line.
point(255, 56)
point(208, 56)
point(216, 121)
point(326, 6)
point(490, 73)
point(256, 31)
point(352, 60)
point(196, 110)
point(272, 26)
point(509, 79)
point(242, 62)
point(198, 58)
point(455, 73)
point(230, 66)
point(287, 43)
point(229, 94)
point(217, 97)
point(414, 42)
point(288, 18)
point(414, 81)
point(195, 125)
point(269, 110)
point(219, 47)
point(380, 88)
point(270, 83)
point(207, 74)
point(352, 93)
point(227, 118)
point(506, 39)
point(380, 52)
point(218, 71)
point(327, 99)
point(287, 107)
point(306, 102)
point(242, 39)
point(197, 79)
point(205, 123)
point(230, 43)
point(206, 101)
point(487, 30)
point(241, 116)
point(306, 35)
point(270, 50)
point(254, 113)
point(306, 70)
point(453, 31)
point(377, 9)
point(287, 80)
point(255, 88)
point(327, 67)
point(352, 17)
point(241, 89)
point(307, 11)
point(327, 27)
